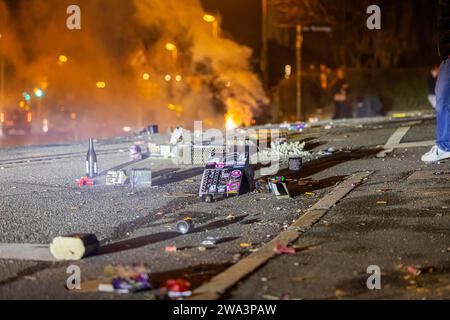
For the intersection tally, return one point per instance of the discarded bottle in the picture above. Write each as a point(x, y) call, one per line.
point(91, 161)
point(185, 225)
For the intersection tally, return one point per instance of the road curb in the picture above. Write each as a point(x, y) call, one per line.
point(218, 285)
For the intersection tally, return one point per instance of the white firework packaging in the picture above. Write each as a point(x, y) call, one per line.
point(74, 247)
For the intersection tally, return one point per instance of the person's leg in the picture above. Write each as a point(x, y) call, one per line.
point(340, 114)
point(336, 110)
point(441, 150)
point(348, 111)
point(443, 107)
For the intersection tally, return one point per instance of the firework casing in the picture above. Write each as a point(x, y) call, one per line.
point(74, 247)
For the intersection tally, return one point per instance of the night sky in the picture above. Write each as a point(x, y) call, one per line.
point(242, 21)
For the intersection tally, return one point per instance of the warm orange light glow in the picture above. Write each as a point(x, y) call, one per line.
point(101, 84)
point(170, 46)
point(146, 76)
point(62, 58)
point(171, 107)
point(22, 104)
point(2, 117)
point(45, 125)
point(178, 78)
point(230, 124)
point(73, 116)
point(178, 110)
point(208, 122)
point(167, 77)
point(29, 117)
point(209, 18)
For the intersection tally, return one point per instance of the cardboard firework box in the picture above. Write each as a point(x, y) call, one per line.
point(226, 176)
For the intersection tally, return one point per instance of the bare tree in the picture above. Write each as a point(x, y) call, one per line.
point(352, 43)
point(305, 12)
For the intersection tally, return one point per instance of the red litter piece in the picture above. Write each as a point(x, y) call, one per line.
point(414, 271)
point(85, 181)
point(280, 249)
point(177, 285)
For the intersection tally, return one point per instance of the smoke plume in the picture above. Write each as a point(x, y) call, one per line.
point(159, 60)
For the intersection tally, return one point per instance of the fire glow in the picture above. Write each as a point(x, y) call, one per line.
point(230, 124)
point(155, 65)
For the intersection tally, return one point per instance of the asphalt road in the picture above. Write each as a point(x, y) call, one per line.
point(40, 200)
point(20, 139)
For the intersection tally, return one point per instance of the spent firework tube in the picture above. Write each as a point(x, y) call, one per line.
point(74, 247)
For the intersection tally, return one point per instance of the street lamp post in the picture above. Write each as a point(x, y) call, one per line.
point(173, 49)
point(215, 22)
point(38, 93)
point(2, 74)
point(141, 108)
point(265, 44)
point(298, 78)
point(299, 29)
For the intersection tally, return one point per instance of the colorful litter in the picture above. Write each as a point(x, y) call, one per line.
point(280, 249)
point(135, 152)
point(177, 288)
point(126, 279)
point(171, 249)
point(85, 181)
point(416, 271)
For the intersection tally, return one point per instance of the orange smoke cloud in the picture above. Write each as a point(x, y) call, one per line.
point(123, 44)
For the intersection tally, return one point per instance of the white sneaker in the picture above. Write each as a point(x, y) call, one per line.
point(435, 154)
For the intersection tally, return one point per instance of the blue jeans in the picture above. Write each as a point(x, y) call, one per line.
point(443, 107)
